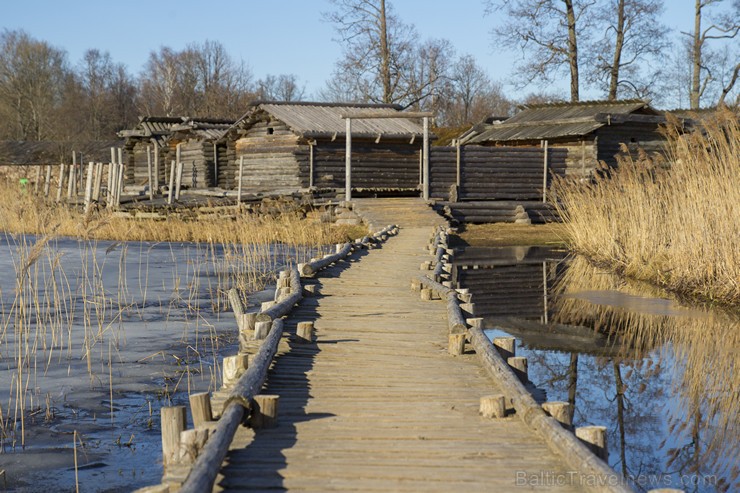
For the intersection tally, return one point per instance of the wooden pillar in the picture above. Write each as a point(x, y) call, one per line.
point(173, 423)
point(426, 158)
point(348, 161)
point(265, 412)
point(239, 182)
point(545, 315)
point(561, 411)
point(595, 438)
point(493, 406)
point(200, 408)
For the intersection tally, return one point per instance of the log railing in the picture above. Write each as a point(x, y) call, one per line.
point(584, 451)
point(192, 458)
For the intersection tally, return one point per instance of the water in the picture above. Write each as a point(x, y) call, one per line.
point(95, 337)
point(661, 375)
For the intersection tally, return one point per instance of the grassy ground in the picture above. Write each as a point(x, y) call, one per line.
point(505, 234)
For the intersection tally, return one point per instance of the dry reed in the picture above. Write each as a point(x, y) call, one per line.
point(677, 225)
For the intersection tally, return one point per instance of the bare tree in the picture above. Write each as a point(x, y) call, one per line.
point(32, 79)
point(472, 96)
point(284, 87)
point(725, 26)
point(200, 80)
point(377, 49)
point(548, 32)
point(632, 36)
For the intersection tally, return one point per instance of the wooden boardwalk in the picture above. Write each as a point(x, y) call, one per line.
point(378, 404)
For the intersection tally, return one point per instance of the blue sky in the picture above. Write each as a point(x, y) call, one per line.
point(282, 37)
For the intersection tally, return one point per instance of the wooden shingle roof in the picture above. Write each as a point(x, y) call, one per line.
point(321, 120)
point(161, 127)
point(553, 120)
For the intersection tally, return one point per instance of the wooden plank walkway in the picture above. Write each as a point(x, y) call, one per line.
point(377, 404)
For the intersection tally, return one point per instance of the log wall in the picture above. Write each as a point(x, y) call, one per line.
point(374, 166)
point(493, 173)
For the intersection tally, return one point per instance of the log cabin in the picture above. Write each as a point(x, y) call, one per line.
point(293, 146)
point(590, 131)
point(156, 139)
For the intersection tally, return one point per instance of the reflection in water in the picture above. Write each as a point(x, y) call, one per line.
point(661, 376)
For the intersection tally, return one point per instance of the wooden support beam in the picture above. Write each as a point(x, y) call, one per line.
point(348, 161)
point(265, 411)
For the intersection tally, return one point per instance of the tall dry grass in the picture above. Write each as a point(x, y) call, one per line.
point(675, 225)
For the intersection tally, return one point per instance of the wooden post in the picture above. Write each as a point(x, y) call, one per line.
point(348, 161)
point(215, 165)
point(520, 367)
point(506, 346)
point(426, 158)
point(98, 181)
point(239, 182)
point(149, 171)
point(426, 294)
point(304, 332)
point(468, 309)
point(233, 367)
point(61, 182)
point(595, 438)
point(457, 180)
point(71, 181)
point(261, 330)
point(545, 315)
point(173, 423)
point(493, 406)
point(170, 190)
point(47, 181)
point(265, 412)
point(119, 184)
point(544, 174)
point(191, 443)
point(456, 344)
point(89, 186)
point(200, 408)
point(156, 166)
point(178, 177)
point(38, 180)
point(561, 411)
point(310, 164)
point(310, 290)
